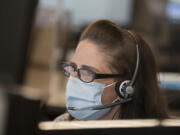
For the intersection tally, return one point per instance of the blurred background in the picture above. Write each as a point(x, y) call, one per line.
point(36, 35)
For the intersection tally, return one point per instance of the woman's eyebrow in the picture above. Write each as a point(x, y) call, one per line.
point(86, 66)
point(91, 68)
point(73, 63)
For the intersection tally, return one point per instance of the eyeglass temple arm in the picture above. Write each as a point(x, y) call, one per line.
point(98, 76)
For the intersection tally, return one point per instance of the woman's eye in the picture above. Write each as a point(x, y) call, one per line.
point(86, 75)
point(86, 72)
point(69, 69)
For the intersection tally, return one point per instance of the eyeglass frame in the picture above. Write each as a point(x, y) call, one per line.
point(95, 75)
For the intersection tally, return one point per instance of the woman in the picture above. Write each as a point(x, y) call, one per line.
point(112, 75)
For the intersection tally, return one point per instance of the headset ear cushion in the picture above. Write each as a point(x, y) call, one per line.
point(117, 89)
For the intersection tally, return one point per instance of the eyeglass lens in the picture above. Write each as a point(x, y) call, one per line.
point(83, 74)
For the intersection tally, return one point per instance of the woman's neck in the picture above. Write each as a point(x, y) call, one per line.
point(112, 114)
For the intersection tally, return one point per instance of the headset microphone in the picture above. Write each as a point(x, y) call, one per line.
point(99, 107)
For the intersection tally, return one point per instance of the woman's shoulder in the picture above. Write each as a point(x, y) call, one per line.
point(63, 117)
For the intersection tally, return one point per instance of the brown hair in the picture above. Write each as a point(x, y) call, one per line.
point(120, 49)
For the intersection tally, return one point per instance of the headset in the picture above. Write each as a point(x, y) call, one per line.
point(125, 90)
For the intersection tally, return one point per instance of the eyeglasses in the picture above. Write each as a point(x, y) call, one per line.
point(85, 74)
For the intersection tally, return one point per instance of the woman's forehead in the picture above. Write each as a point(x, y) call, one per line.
point(87, 53)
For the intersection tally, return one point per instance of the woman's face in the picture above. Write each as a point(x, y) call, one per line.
point(88, 55)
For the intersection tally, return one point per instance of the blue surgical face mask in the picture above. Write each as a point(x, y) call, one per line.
point(80, 95)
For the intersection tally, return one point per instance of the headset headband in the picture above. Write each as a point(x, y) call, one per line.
point(137, 59)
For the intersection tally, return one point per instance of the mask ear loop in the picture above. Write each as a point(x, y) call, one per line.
point(110, 84)
point(115, 100)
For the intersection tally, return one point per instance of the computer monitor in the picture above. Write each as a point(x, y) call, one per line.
point(116, 127)
point(18, 115)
